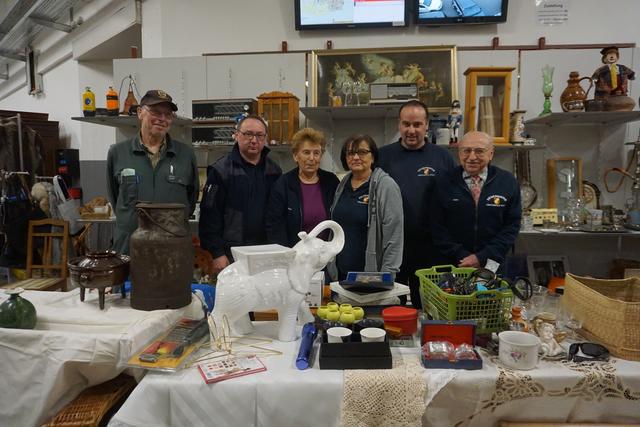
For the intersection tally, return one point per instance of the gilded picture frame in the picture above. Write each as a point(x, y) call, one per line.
point(347, 73)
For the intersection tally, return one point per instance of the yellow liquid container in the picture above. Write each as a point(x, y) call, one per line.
point(88, 103)
point(113, 106)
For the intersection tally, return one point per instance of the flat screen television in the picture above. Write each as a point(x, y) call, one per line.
point(331, 14)
point(447, 12)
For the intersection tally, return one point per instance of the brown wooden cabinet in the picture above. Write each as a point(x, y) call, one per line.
point(48, 130)
point(487, 96)
point(281, 110)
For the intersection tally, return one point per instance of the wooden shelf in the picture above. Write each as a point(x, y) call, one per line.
point(630, 233)
point(127, 121)
point(587, 118)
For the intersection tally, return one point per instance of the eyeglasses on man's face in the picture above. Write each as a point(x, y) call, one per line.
point(479, 152)
point(250, 135)
point(158, 113)
point(362, 152)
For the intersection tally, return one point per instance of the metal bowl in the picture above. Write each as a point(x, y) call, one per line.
point(99, 269)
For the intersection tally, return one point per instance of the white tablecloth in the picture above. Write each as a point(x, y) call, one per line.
point(284, 396)
point(74, 345)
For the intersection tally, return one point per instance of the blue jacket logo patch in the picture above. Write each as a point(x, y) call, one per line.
point(496, 201)
point(426, 171)
point(363, 200)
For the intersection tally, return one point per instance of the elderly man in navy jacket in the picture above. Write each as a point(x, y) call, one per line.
point(476, 207)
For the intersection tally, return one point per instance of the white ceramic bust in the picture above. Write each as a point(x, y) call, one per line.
point(550, 346)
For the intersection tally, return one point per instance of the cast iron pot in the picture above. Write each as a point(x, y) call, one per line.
point(99, 270)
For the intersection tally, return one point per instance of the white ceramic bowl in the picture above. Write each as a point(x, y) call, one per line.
point(372, 334)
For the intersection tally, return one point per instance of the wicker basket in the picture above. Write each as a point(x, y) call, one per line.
point(609, 311)
point(94, 403)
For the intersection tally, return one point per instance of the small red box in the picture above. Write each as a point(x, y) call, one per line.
point(404, 318)
point(456, 332)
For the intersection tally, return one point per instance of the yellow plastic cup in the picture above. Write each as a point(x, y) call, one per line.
point(346, 308)
point(333, 314)
point(322, 311)
point(358, 312)
point(347, 318)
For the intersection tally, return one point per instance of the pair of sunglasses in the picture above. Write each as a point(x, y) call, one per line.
point(590, 352)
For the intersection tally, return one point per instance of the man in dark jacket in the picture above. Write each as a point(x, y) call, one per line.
point(476, 208)
point(151, 166)
point(415, 164)
point(234, 200)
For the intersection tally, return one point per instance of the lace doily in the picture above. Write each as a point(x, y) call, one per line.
point(385, 397)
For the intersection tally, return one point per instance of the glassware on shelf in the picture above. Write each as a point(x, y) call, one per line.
point(547, 88)
point(575, 213)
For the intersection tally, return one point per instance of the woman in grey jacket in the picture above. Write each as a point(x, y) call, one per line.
point(368, 206)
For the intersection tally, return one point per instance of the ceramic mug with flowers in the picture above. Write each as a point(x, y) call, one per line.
point(519, 350)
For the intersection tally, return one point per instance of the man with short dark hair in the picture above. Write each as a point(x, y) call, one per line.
point(476, 208)
point(414, 164)
point(234, 201)
point(150, 167)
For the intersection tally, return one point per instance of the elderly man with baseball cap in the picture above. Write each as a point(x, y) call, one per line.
point(150, 167)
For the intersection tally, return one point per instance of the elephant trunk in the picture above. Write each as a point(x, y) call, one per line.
point(336, 243)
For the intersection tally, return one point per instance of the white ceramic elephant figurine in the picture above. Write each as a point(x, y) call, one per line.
point(279, 282)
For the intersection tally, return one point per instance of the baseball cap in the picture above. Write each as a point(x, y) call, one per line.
point(157, 96)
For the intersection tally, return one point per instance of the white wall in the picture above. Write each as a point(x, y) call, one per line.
point(58, 100)
point(206, 26)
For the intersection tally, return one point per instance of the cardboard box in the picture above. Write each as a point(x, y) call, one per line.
point(314, 295)
point(355, 354)
point(456, 332)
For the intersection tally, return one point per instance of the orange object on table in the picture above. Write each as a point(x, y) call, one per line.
point(404, 318)
point(554, 283)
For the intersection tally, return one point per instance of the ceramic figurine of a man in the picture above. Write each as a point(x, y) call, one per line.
point(454, 121)
point(612, 78)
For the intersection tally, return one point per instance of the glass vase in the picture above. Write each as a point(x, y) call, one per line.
point(547, 89)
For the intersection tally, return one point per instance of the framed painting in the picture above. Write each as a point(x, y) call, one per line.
point(342, 77)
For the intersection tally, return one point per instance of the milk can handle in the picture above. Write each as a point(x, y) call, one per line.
point(159, 225)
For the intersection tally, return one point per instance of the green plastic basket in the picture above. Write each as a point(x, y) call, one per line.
point(490, 309)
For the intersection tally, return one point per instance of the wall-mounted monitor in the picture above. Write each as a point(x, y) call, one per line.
point(448, 12)
point(331, 14)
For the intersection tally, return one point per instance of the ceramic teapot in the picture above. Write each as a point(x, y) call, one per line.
point(573, 97)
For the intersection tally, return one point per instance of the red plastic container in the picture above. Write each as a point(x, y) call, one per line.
point(75, 193)
point(404, 318)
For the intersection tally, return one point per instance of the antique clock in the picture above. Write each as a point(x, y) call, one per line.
point(590, 195)
point(522, 171)
point(282, 113)
point(487, 101)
